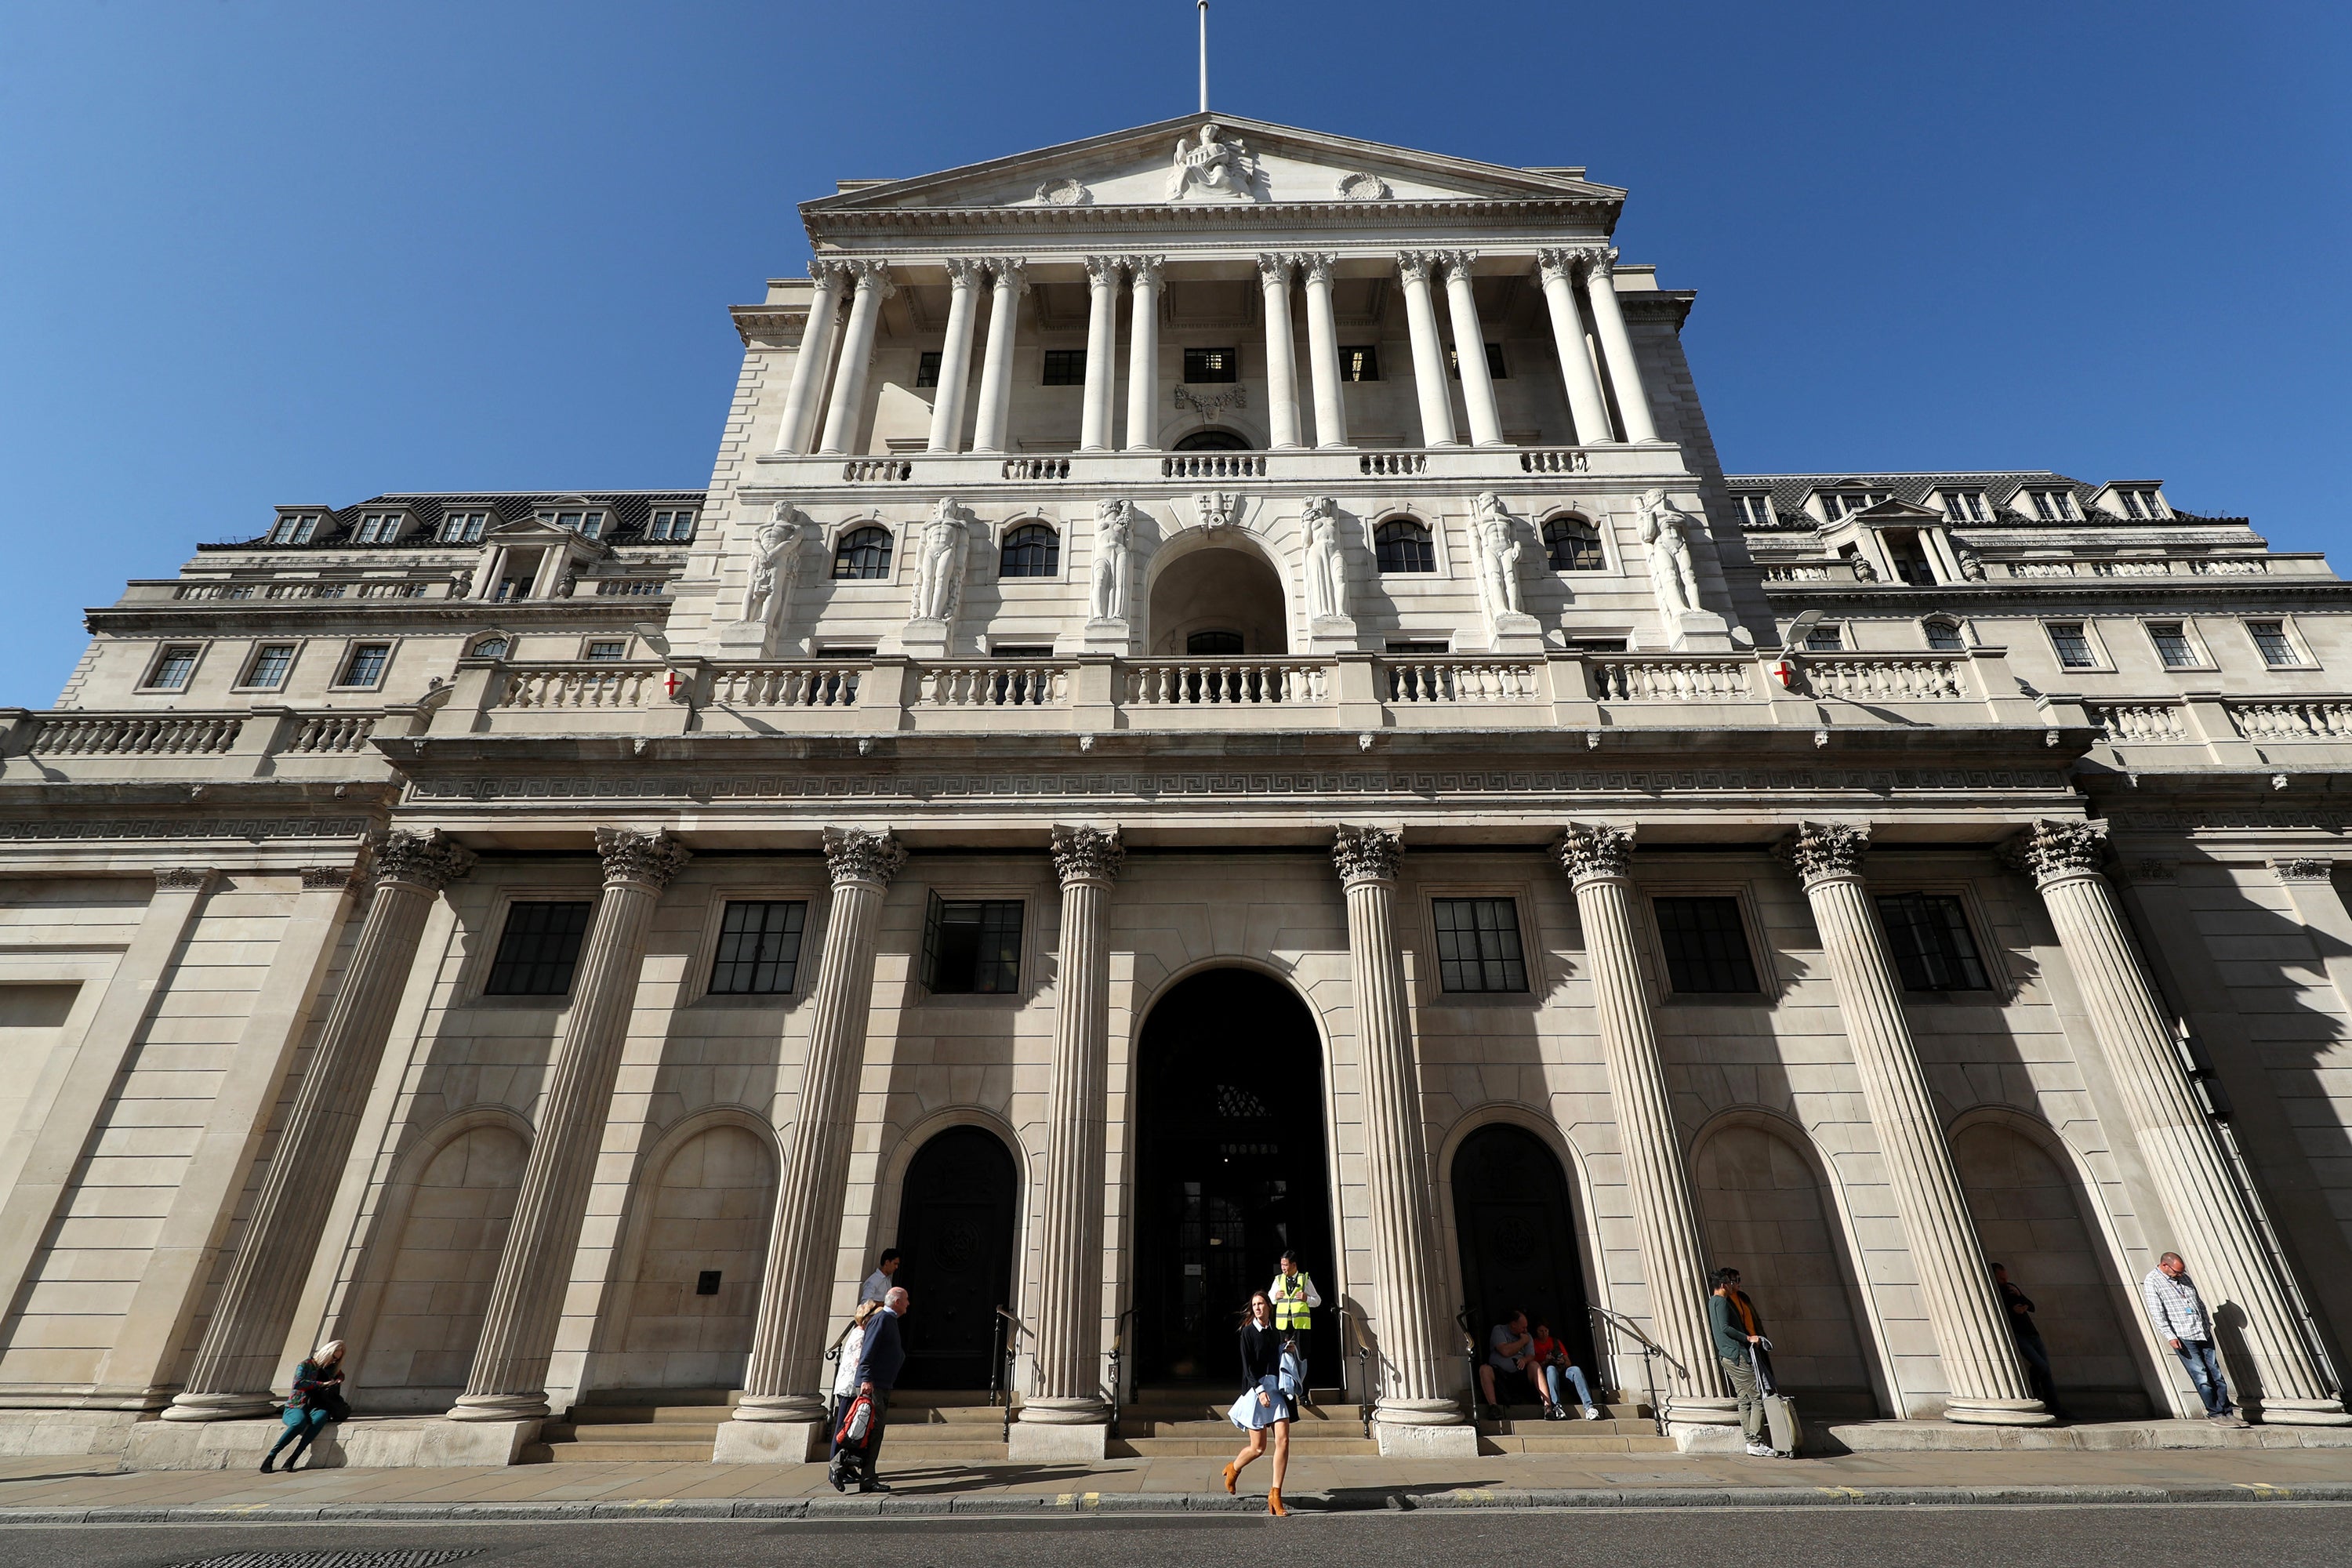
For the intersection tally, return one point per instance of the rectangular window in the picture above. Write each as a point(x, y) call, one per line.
point(604, 649)
point(1706, 946)
point(294, 529)
point(1478, 945)
point(1826, 640)
point(2074, 645)
point(1965, 506)
point(2278, 650)
point(272, 663)
point(1359, 362)
point(365, 665)
point(1756, 510)
point(2055, 506)
point(1212, 365)
point(972, 946)
point(672, 525)
point(2141, 503)
point(927, 367)
point(173, 666)
point(1065, 367)
point(1928, 935)
point(759, 949)
point(2172, 644)
point(1494, 363)
point(463, 527)
point(1944, 637)
point(538, 950)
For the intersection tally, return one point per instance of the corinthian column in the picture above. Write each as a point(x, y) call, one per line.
point(996, 370)
point(1470, 353)
point(2208, 1223)
point(1429, 379)
point(508, 1381)
point(1595, 857)
point(1102, 334)
point(1069, 1321)
point(785, 1379)
point(955, 355)
point(807, 389)
point(1987, 1382)
point(1395, 1156)
point(1616, 347)
point(1143, 351)
point(1323, 353)
point(848, 406)
point(1585, 403)
point(237, 1358)
point(1281, 365)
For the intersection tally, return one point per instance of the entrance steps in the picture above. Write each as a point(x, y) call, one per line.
point(1191, 1422)
point(1521, 1429)
point(680, 1426)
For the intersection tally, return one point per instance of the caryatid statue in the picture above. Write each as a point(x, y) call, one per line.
point(775, 567)
point(1114, 536)
point(1496, 539)
point(945, 543)
point(1665, 529)
point(1327, 559)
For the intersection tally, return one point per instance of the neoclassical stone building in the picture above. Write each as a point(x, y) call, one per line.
point(1217, 698)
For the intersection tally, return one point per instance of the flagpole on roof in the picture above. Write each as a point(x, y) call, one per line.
point(1204, 57)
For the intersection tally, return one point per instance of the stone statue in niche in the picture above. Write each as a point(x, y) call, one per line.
point(1218, 165)
point(775, 567)
point(1864, 571)
point(1326, 560)
point(1972, 567)
point(1665, 527)
point(1496, 539)
point(1114, 535)
point(944, 545)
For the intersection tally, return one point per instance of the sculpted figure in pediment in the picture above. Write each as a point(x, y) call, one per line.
point(946, 543)
point(1114, 535)
point(1217, 165)
point(1665, 529)
point(775, 567)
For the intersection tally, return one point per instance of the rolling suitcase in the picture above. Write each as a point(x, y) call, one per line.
point(1780, 1426)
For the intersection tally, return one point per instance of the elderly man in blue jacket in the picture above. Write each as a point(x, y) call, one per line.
point(879, 1361)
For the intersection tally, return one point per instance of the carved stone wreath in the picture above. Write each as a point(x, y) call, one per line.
point(1066, 193)
point(1361, 187)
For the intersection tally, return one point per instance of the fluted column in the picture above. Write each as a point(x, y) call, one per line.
point(1069, 1319)
point(1986, 1380)
point(237, 1358)
point(807, 389)
point(1323, 353)
point(786, 1376)
point(1396, 1157)
point(1429, 379)
point(1616, 347)
point(1102, 334)
point(848, 403)
point(508, 1381)
point(1470, 352)
point(1281, 366)
point(1143, 351)
point(1596, 855)
point(2208, 1223)
point(1586, 403)
point(1012, 281)
point(955, 355)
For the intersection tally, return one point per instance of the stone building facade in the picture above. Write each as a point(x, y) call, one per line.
point(1217, 698)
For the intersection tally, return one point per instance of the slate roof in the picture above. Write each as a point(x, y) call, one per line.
point(630, 512)
point(2001, 488)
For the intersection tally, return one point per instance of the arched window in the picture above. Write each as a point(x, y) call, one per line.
point(863, 553)
point(1200, 643)
point(490, 648)
point(1944, 635)
point(1213, 439)
point(1572, 544)
point(1031, 550)
point(1402, 545)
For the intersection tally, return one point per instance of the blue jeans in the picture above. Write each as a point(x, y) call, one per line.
point(1575, 1374)
point(2205, 1371)
point(303, 1424)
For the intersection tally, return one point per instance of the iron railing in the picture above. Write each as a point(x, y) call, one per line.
point(1651, 1353)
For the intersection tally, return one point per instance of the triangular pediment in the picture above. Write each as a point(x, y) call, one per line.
point(1895, 512)
point(1246, 161)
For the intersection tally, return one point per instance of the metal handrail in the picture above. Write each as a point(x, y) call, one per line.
point(1000, 1377)
point(1351, 1328)
point(1652, 1352)
point(1470, 1354)
point(1116, 1353)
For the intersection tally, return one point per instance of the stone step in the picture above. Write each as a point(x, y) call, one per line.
point(1587, 1442)
point(1536, 1427)
point(573, 1453)
point(1224, 1447)
point(648, 1414)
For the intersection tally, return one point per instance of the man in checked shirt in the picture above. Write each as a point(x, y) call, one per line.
point(2182, 1322)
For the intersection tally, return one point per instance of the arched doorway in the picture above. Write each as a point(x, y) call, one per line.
point(695, 1295)
point(1213, 438)
point(956, 1225)
point(420, 1351)
point(1220, 593)
point(1518, 1237)
point(1229, 1171)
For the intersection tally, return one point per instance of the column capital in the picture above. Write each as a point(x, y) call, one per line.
point(1143, 272)
point(1087, 854)
point(964, 272)
point(856, 855)
point(1558, 265)
point(1600, 261)
point(2052, 851)
point(872, 273)
point(1314, 267)
point(1275, 267)
point(1593, 851)
point(428, 860)
point(1010, 271)
point(2304, 870)
point(1366, 854)
point(824, 270)
point(1454, 263)
point(1821, 851)
point(630, 856)
point(1415, 266)
point(182, 878)
point(1103, 271)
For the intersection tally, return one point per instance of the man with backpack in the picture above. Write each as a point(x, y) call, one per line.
point(880, 1358)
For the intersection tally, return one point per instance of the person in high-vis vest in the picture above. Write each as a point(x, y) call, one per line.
point(1294, 1298)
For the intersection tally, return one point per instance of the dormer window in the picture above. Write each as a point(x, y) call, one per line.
point(586, 524)
point(2140, 502)
point(378, 527)
point(295, 528)
point(677, 527)
point(1836, 504)
point(1966, 506)
point(464, 527)
point(2055, 505)
point(1756, 510)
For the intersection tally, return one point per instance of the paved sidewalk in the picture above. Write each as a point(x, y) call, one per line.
point(52, 1489)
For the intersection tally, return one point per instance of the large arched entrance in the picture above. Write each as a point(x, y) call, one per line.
point(1213, 438)
point(956, 1226)
point(1517, 1236)
point(1222, 595)
point(1230, 1171)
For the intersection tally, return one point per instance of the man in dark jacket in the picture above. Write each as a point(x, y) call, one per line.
point(879, 1361)
point(1736, 1329)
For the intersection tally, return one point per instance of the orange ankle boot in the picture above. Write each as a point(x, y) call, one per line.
point(1274, 1502)
point(1230, 1474)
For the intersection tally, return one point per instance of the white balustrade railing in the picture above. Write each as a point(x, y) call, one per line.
point(1554, 460)
point(1866, 678)
point(1453, 680)
point(1026, 683)
point(1392, 463)
point(1799, 572)
point(141, 734)
point(2293, 721)
point(1640, 678)
point(588, 685)
point(1214, 466)
point(2228, 566)
point(826, 683)
point(1037, 468)
point(2140, 722)
point(1241, 683)
point(2041, 568)
point(321, 733)
point(2133, 567)
point(865, 470)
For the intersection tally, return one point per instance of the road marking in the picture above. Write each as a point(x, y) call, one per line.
point(1472, 1495)
point(650, 1502)
point(2263, 1488)
point(1853, 1493)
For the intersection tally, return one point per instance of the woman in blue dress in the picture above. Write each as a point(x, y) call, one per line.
point(1274, 1373)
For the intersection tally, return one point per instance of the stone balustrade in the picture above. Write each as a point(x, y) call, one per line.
point(141, 735)
point(2320, 720)
point(1672, 677)
point(1441, 678)
point(1230, 683)
point(601, 684)
point(2140, 722)
point(1027, 683)
point(830, 683)
point(1870, 678)
point(977, 473)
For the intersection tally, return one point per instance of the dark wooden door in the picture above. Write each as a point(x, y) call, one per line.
point(956, 1222)
point(1517, 1235)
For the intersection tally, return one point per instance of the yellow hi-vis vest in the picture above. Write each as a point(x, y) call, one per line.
point(1290, 1302)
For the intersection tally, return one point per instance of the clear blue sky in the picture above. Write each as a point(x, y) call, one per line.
point(273, 252)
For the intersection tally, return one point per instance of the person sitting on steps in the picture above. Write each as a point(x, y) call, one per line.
point(1551, 1367)
point(1510, 1351)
